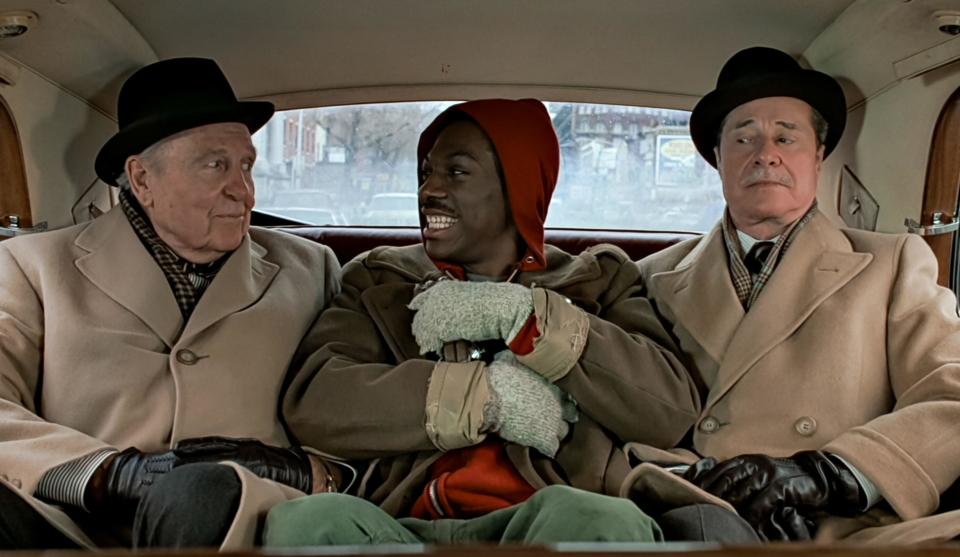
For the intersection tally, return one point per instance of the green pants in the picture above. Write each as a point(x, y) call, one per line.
point(554, 514)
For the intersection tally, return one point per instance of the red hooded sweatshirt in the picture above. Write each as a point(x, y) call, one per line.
point(476, 480)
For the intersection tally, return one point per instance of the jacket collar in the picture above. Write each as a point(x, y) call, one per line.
point(699, 291)
point(387, 302)
point(117, 263)
point(819, 262)
point(563, 269)
point(700, 294)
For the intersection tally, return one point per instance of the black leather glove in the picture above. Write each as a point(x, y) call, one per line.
point(698, 469)
point(287, 465)
point(786, 524)
point(770, 491)
point(127, 476)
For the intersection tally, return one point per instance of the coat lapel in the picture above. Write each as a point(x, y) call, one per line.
point(819, 262)
point(241, 282)
point(387, 302)
point(119, 265)
point(701, 295)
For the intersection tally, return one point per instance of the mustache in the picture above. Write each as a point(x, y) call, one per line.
point(435, 204)
point(767, 175)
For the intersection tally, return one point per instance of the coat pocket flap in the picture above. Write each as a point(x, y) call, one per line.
point(639, 452)
point(656, 490)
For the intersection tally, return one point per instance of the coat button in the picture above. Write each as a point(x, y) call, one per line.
point(187, 357)
point(805, 426)
point(709, 425)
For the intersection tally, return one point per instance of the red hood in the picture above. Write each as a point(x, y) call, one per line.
point(529, 153)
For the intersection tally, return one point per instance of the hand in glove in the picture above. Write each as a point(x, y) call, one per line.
point(287, 465)
point(695, 473)
point(127, 476)
point(453, 310)
point(786, 524)
point(526, 408)
point(760, 486)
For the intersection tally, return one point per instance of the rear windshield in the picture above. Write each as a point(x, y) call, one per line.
point(623, 167)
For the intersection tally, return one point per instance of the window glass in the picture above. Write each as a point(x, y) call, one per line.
point(623, 167)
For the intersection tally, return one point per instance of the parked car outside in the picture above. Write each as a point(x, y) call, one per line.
point(308, 215)
point(391, 209)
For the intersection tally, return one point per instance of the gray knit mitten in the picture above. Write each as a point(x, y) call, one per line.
point(453, 310)
point(525, 408)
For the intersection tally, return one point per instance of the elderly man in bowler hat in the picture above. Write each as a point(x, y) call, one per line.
point(829, 358)
point(144, 348)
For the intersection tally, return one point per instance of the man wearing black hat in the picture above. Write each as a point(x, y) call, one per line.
point(829, 358)
point(143, 349)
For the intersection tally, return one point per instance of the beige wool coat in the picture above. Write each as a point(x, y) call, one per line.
point(95, 353)
point(851, 347)
point(361, 390)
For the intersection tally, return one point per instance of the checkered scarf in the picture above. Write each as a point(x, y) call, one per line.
point(187, 280)
point(748, 288)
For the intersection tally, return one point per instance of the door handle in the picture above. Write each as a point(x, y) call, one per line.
point(16, 230)
point(934, 228)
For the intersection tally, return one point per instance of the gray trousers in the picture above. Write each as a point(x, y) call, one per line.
point(191, 506)
point(706, 523)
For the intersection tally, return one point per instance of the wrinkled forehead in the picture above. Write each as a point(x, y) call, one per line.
point(786, 112)
point(224, 134)
point(209, 132)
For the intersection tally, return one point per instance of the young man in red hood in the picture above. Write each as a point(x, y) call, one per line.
point(484, 375)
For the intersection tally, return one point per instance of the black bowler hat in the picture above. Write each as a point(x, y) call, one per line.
point(759, 72)
point(168, 97)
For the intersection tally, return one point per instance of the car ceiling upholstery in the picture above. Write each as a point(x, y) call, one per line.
point(315, 52)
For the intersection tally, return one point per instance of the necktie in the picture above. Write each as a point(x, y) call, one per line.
point(757, 256)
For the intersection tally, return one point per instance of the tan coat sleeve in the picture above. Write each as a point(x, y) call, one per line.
point(912, 453)
point(349, 395)
point(626, 377)
point(29, 446)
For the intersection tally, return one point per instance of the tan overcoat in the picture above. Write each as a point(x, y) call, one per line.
point(360, 386)
point(95, 353)
point(851, 348)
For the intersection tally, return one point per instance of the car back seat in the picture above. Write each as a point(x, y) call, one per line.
point(349, 241)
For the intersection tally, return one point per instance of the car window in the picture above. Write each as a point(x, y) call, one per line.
point(623, 167)
point(393, 201)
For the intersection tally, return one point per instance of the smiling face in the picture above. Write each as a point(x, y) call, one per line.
point(467, 215)
point(769, 160)
point(197, 189)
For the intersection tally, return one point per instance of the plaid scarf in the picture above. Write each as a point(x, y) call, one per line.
point(187, 280)
point(748, 288)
